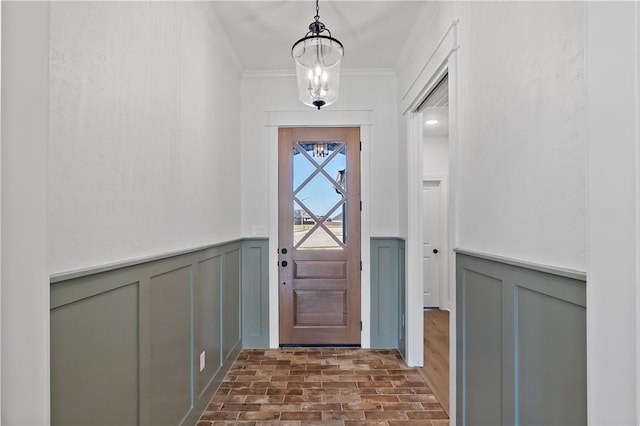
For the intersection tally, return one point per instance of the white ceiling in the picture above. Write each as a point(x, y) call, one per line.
point(441, 127)
point(373, 32)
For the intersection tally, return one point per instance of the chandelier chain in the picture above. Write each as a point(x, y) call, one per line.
point(317, 17)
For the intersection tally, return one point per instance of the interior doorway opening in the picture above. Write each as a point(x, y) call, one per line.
point(434, 144)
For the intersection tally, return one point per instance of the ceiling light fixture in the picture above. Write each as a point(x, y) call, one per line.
point(318, 59)
point(431, 122)
point(320, 150)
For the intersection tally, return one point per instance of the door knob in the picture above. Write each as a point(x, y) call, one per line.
point(284, 263)
point(435, 250)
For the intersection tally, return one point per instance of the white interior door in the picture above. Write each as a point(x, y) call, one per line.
point(431, 243)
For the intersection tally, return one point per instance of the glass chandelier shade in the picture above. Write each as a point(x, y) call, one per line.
point(318, 59)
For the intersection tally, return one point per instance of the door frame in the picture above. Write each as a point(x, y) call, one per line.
point(325, 118)
point(444, 302)
point(345, 329)
point(444, 60)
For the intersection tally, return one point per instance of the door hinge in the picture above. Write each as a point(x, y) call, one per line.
point(361, 265)
point(360, 325)
point(360, 205)
point(360, 145)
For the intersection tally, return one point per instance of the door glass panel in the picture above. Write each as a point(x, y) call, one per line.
point(319, 188)
point(320, 238)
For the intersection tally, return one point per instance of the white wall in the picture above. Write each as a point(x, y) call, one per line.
point(613, 228)
point(402, 179)
point(531, 154)
point(0, 210)
point(265, 97)
point(279, 93)
point(521, 126)
point(522, 116)
point(25, 279)
point(435, 156)
point(120, 139)
point(144, 154)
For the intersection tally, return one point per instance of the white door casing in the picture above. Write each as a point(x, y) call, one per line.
point(307, 117)
point(442, 60)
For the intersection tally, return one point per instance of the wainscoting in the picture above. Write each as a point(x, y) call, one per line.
point(387, 293)
point(255, 293)
point(521, 343)
point(126, 342)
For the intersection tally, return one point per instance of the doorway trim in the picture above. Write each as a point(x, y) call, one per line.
point(444, 60)
point(311, 118)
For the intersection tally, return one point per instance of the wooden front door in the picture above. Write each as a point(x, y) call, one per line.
point(319, 236)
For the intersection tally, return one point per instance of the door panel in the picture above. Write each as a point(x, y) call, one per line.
point(431, 243)
point(319, 255)
point(321, 268)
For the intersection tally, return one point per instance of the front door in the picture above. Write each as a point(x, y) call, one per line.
point(319, 236)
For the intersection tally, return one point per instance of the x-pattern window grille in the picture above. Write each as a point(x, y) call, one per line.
point(332, 152)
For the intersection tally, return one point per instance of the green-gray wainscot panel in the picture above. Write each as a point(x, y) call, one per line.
point(402, 343)
point(126, 341)
point(387, 292)
point(255, 293)
point(170, 339)
point(521, 343)
point(94, 359)
point(208, 273)
point(231, 303)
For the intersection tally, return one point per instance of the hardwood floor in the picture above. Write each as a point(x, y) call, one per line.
point(436, 354)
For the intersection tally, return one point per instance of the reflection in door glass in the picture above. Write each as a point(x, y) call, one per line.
point(319, 189)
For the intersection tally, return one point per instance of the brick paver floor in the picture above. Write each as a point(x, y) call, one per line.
point(323, 386)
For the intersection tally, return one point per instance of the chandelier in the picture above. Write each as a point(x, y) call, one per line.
point(318, 59)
